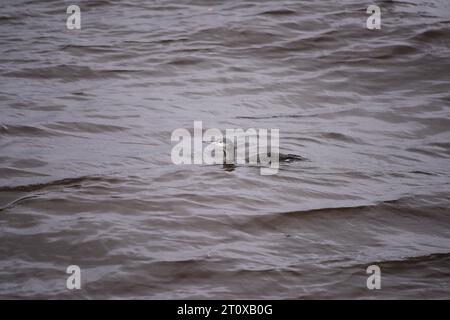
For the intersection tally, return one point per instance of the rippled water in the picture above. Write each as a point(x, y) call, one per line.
point(86, 176)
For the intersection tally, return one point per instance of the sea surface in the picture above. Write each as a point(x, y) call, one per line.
point(86, 176)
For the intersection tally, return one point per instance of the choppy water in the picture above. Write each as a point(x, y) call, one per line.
point(85, 170)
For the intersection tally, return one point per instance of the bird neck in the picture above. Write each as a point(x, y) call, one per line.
point(228, 151)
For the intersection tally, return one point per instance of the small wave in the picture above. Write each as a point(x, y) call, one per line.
point(24, 130)
point(339, 137)
point(11, 172)
point(16, 202)
point(67, 73)
point(55, 183)
point(185, 61)
point(433, 35)
point(279, 12)
point(393, 51)
point(405, 262)
point(7, 19)
point(84, 127)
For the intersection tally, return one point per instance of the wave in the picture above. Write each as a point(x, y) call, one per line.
point(68, 73)
point(279, 12)
point(66, 182)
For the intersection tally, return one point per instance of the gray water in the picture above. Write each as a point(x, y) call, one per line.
point(86, 176)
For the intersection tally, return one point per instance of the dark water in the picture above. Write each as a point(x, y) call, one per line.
point(86, 176)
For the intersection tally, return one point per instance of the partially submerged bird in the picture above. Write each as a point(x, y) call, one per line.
point(230, 160)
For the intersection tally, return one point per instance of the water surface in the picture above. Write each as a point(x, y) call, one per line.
point(86, 176)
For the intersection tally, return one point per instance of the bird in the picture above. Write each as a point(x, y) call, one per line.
point(229, 155)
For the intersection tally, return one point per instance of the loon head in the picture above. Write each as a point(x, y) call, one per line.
point(228, 150)
point(220, 143)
